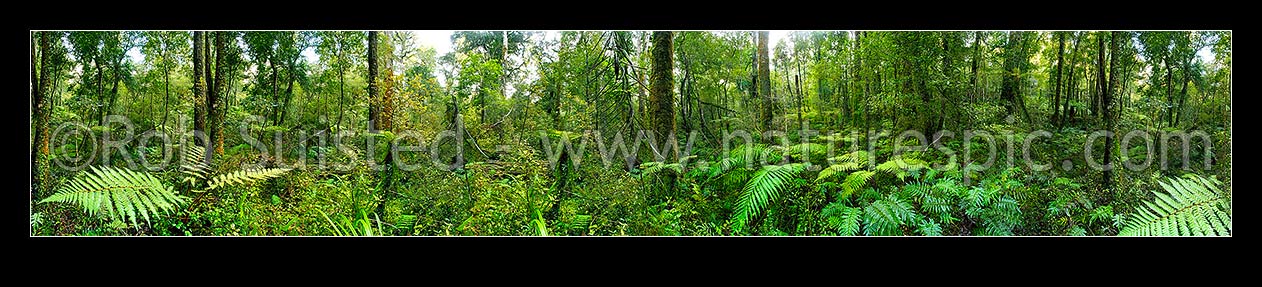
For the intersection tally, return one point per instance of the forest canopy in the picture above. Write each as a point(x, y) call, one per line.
point(611, 133)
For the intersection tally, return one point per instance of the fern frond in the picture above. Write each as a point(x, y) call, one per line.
point(193, 165)
point(844, 219)
point(886, 216)
point(245, 176)
point(901, 167)
point(938, 204)
point(917, 191)
point(652, 168)
point(859, 159)
point(764, 187)
point(37, 219)
point(811, 152)
point(123, 194)
point(1192, 206)
point(836, 169)
point(855, 181)
point(928, 227)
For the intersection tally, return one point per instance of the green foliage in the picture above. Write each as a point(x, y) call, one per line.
point(887, 216)
point(504, 85)
point(359, 226)
point(901, 168)
point(855, 181)
point(845, 163)
point(198, 171)
point(122, 194)
point(765, 186)
point(244, 177)
point(1190, 206)
point(843, 219)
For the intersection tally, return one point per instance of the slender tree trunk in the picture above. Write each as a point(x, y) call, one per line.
point(100, 90)
point(341, 76)
point(275, 92)
point(374, 100)
point(289, 94)
point(166, 98)
point(1169, 91)
point(220, 91)
point(116, 78)
point(1072, 88)
point(1101, 80)
point(1183, 92)
point(1060, 65)
point(977, 46)
point(797, 81)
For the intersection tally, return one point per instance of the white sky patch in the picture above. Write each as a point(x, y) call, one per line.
point(775, 39)
point(440, 40)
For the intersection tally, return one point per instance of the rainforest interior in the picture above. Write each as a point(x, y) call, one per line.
point(635, 133)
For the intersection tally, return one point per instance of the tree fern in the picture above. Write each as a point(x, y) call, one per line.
point(118, 194)
point(764, 187)
point(1192, 206)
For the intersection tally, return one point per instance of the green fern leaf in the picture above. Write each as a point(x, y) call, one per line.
point(764, 187)
point(1190, 206)
point(245, 176)
point(123, 194)
point(887, 215)
point(855, 181)
point(844, 219)
point(901, 167)
point(811, 152)
point(194, 165)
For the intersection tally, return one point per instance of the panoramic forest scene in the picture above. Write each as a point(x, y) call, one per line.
point(630, 133)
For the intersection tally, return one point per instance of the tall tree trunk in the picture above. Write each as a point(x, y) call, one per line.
point(289, 93)
point(944, 91)
point(276, 107)
point(115, 79)
point(1183, 92)
point(977, 46)
point(1060, 66)
point(797, 81)
point(40, 93)
point(220, 90)
point(662, 86)
point(374, 100)
point(166, 98)
point(1107, 102)
point(1101, 80)
point(100, 90)
point(1072, 88)
point(764, 81)
point(199, 82)
point(341, 78)
point(1169, 90)
point(1012, 69)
